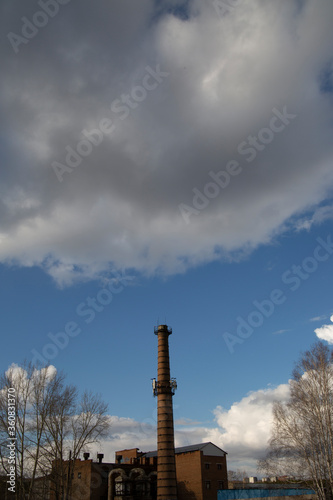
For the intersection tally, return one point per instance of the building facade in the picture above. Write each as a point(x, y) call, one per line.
point(98, 480)
point(201, 471)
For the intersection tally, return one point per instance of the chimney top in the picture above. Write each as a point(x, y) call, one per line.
point(162, 329)
point(100, 457)
point(86, 456)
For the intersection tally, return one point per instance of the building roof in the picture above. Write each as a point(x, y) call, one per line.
point(207, 449)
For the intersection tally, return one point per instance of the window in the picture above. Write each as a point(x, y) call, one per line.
point(219, 466)
point(79, 475)
point(221, 485)
point(207, 466)
point(120, 488)
point(140, 488)
point(207, 485)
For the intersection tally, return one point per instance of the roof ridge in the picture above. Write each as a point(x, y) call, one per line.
point(183, 449)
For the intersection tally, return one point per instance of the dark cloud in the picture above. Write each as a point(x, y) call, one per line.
point(185, 91)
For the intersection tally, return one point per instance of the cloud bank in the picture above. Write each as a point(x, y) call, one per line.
point(142, 105)
point(242, 430)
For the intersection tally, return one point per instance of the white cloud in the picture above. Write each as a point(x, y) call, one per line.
point(18, 373)
point(186, 422)
point(120, 205)
point(242, 430)
point(325, 332)
point(19, 377)
point(279, 332)
point(319, 216)
point(128, 433)
point(318, 318)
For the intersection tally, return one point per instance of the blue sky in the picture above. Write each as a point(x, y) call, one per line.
point(178, 171)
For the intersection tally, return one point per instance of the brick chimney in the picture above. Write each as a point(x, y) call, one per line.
point(164, 389)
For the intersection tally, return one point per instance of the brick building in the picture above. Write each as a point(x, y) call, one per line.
point(98, 480)
point(201, 469)
point(201, 472)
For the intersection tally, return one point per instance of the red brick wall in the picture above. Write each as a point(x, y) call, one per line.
point(188, 470)
point(213, 475)
point(193, 475)
point(128, 456)
point(81, 485)
point(81, 481)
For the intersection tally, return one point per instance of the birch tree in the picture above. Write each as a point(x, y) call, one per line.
point(302, 435)
point(46, 388)
point(19, 380)
point(73, 424)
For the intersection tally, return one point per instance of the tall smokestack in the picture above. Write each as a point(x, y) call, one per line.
point(164, 389)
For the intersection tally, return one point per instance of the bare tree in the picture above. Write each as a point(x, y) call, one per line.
point(47, 387)
point(237, 476)
point(58, 439)
point(18, 380)
point(73, 426)
point(302, 436)
point(51, 422)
